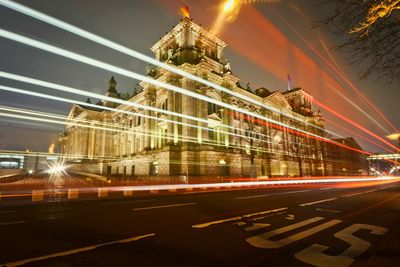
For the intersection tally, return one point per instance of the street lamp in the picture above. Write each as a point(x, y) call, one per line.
point(394, 137)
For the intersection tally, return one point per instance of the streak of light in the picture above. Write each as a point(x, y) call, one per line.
point(344, 118)
point(295, 132)
point(45, 154)
point(140, 132)
point(358, 108)
point(253, 183)
point(339, 72)
point(357, 134)
point(100, 40)
point(16, 90)
point(46, 96)
point(99, 64)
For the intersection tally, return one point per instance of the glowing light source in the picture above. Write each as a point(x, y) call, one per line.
point(229, 5)
point(57, 169)
point(185, 11)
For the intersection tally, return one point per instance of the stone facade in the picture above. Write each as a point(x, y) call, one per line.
point(124, 139)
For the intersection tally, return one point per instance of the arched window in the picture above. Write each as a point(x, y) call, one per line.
point(165, 105)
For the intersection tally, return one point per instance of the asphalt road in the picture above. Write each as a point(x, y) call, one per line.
point(292, 226)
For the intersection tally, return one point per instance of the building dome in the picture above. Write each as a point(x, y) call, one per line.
point(262, 92)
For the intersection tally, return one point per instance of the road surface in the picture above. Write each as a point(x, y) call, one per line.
point(292, 226)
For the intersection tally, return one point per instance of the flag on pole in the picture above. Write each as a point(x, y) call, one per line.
point(289, 82)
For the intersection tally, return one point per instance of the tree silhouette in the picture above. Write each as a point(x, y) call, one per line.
point(372, 34)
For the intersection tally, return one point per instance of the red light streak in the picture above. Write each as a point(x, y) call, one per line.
point(354, 124)
point(356, 134)
point(338, 72)
point(313, 137)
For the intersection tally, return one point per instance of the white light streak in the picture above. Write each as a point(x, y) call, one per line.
point(73, 90)
point(108, 43)
point(106, 66)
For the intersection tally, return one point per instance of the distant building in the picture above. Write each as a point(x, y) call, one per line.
point(137, 143)
point(25, 160)
point(384, 163)
point(344, 161)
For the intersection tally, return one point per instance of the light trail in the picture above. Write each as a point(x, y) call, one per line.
point(120, 48)
point(46, 154)
point(252, 183)
point(241, 147)
point(339, 72)
point(128, 132)
point(344, 118)
point(358, 108)
point(46, 96)
point(356, 134)
point(190, 139)
point(99, 64)
point(103, 41)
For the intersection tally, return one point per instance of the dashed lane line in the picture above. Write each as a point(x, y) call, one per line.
point(165, 206)
point(359, 193)
point(274, 194)
point(203, 225)
point(343, 196)
point(265, 212)
point(317, 202)
point(74, 251)
point(328, 210)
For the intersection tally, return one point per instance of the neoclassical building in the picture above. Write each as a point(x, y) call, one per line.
point(183, 135)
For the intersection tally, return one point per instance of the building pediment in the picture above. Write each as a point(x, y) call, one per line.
point(214, 120)
point(278, 99)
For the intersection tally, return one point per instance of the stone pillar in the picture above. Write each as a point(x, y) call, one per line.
point(188, 104)
point(171, 108)
point(149, 96)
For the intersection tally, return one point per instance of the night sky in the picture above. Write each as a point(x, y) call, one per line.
point(265, 42)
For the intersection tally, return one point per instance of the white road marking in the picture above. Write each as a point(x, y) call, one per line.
point(319, 201)
point(328, 210)
point(290, 217)
point(263, 240)
point(327, 188)
point(9, 223)
point(264, 212)
point(74, 251)
point(239, 223)
point(256, 226)
point(203, 225)
point(166, 206)
point(314, 254)
point(359, 193)
point(273, 194)
point(258, 218)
